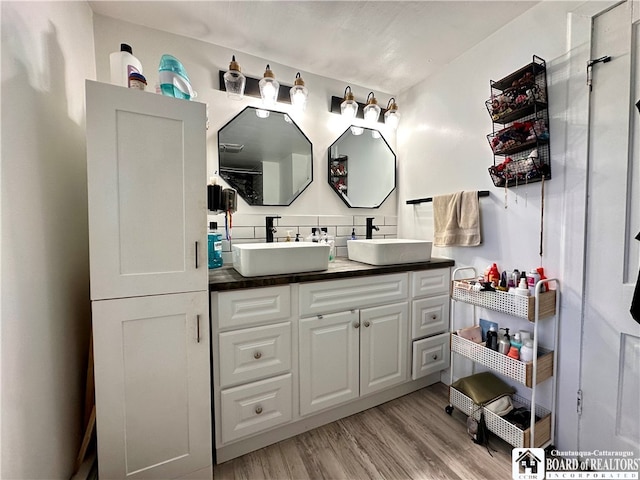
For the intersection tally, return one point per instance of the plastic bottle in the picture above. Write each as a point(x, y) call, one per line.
point(215, 246)
point(545, 286)
point(494, 275)
point(516, 341)
point(353, 234)
point(533, 277)
point(288, 239)
point(122, 64)
point(297, 237)
point(492, 339)
point(174, 81)
point(526, 351)
point(504, 343)
point(522, 288)
point(514, 279)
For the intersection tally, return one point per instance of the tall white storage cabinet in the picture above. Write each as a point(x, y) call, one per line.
point(146, 168)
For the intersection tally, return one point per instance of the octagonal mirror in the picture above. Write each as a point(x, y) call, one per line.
point(362, 168)
point(265, 157)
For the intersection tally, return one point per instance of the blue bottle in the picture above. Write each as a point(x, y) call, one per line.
point(215, 246)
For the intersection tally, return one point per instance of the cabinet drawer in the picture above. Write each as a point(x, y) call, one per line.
point(252, 353)
point(340, 295)
point(430, 355)
point(430, 282)
point(241, 308)
point(429, 316)
point(252, 408)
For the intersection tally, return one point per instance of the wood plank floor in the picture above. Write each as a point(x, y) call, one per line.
point(408, 438)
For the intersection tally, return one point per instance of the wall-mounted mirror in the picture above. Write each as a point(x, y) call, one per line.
point(265, 156)
point(362, 168)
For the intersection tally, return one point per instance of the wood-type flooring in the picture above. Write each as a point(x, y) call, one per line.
point(408, 438)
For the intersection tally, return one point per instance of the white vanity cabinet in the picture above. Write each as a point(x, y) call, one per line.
point(430, 321)
point(253, 361)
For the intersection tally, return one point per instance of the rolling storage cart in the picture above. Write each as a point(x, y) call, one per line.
point(538, 309)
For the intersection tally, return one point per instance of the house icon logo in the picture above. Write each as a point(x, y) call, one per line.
point(528, 463)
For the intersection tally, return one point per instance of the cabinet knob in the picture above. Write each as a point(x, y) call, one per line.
point(366, 324)
point(257, 355)
point(435, 356)
point(356, 324)
point(434, 316)
point(258, 410)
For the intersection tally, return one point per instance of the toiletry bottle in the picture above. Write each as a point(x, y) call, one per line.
point(215, 246)
point(514, 353)
point(297, 237)
point(288, 239)
point(522, 289)
point(516, 341)
point(504, 343)
point(545, 286)
point(353, 234)
point(526, 351)
point(492, 339)
point(122, 64)
point(487, 270)
point(533, 277)
point(503, 281)
point(494, 275)
point(514, 279)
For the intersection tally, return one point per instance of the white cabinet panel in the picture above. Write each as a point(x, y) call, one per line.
point(152, 385)
point(383, 347)
point(431, 355)
point(429, 316)
point(328, 360)
point(242, 308)
point(253, 353)
point(430, 282)
point(146, 173)
point(320, 298)
point(254, 407)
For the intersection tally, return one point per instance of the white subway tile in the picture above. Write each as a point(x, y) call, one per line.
point(298, 221)
point(362, 220)
point(393, 220)
point(341, 252)
point(325, 220)
point(239, 232)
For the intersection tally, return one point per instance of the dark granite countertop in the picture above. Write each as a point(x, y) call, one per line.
point(227, 278)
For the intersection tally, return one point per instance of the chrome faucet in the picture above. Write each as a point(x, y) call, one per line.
point(270, 229)
point(370, 228)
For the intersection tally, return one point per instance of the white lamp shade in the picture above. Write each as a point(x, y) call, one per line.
point(349, 108)
point(269, 91)
point(299, 95)
point(392, 118)
point(372, 112)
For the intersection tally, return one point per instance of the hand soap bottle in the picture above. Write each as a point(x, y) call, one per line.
point(214, 246)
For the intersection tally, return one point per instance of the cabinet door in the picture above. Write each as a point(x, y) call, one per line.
point(153, 401)
point(328, 352)
point(146, 173)
point(383, 347)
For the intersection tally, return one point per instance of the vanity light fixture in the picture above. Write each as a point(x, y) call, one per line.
point(372, 110)
point(392, 116)
point(349, 107)
point(269, 88)
point(299, 94)
point(234, 80)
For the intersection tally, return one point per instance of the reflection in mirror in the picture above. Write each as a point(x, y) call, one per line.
point(265, 157)
point(362, 167)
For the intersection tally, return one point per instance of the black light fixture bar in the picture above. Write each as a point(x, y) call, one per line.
point(335, 108)
point(481, 193)
point(253, 90)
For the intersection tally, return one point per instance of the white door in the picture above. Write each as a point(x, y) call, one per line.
point(610, 372)
point(153, 401)
point(146, 172)
point(383, 347)
point(328, 360)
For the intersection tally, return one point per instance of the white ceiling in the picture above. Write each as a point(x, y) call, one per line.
point(387, 46)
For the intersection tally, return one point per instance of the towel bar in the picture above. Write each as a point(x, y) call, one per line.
point(481, 193)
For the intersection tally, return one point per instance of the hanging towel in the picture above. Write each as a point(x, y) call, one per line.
point(456, 220)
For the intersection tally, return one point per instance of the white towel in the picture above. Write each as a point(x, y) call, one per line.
point(456, 220)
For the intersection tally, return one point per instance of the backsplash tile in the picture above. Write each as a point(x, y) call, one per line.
point(250, 228)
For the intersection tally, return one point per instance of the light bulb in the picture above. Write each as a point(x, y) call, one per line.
point(349, 107)
point(357, 131)
point(392, 116)
point(269, 88)
point(372, 110)
point(260, 113)
point(234, 81)
point(299, 94)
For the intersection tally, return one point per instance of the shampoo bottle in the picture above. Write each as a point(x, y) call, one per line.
point(492, 339)
point(123, 64)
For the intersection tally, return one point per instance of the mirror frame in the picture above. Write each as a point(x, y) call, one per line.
point(219, 174)
point(395, 169)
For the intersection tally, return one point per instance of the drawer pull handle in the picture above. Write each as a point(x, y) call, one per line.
point(366, 324)
point(258, 410)
point(356, 325)
point(435, 356)
point(198, 328)
point(257, 355)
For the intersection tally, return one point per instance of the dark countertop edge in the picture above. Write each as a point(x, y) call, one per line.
point(227, 278)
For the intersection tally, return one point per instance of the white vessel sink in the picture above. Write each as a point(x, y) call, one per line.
point(255, 259)
point(389, 251)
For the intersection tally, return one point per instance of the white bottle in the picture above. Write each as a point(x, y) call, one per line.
point(123, 63)
point(526, 351)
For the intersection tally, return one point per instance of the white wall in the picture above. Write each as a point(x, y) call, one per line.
point(202, 62)
point(443, 149)
point(47, 52)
